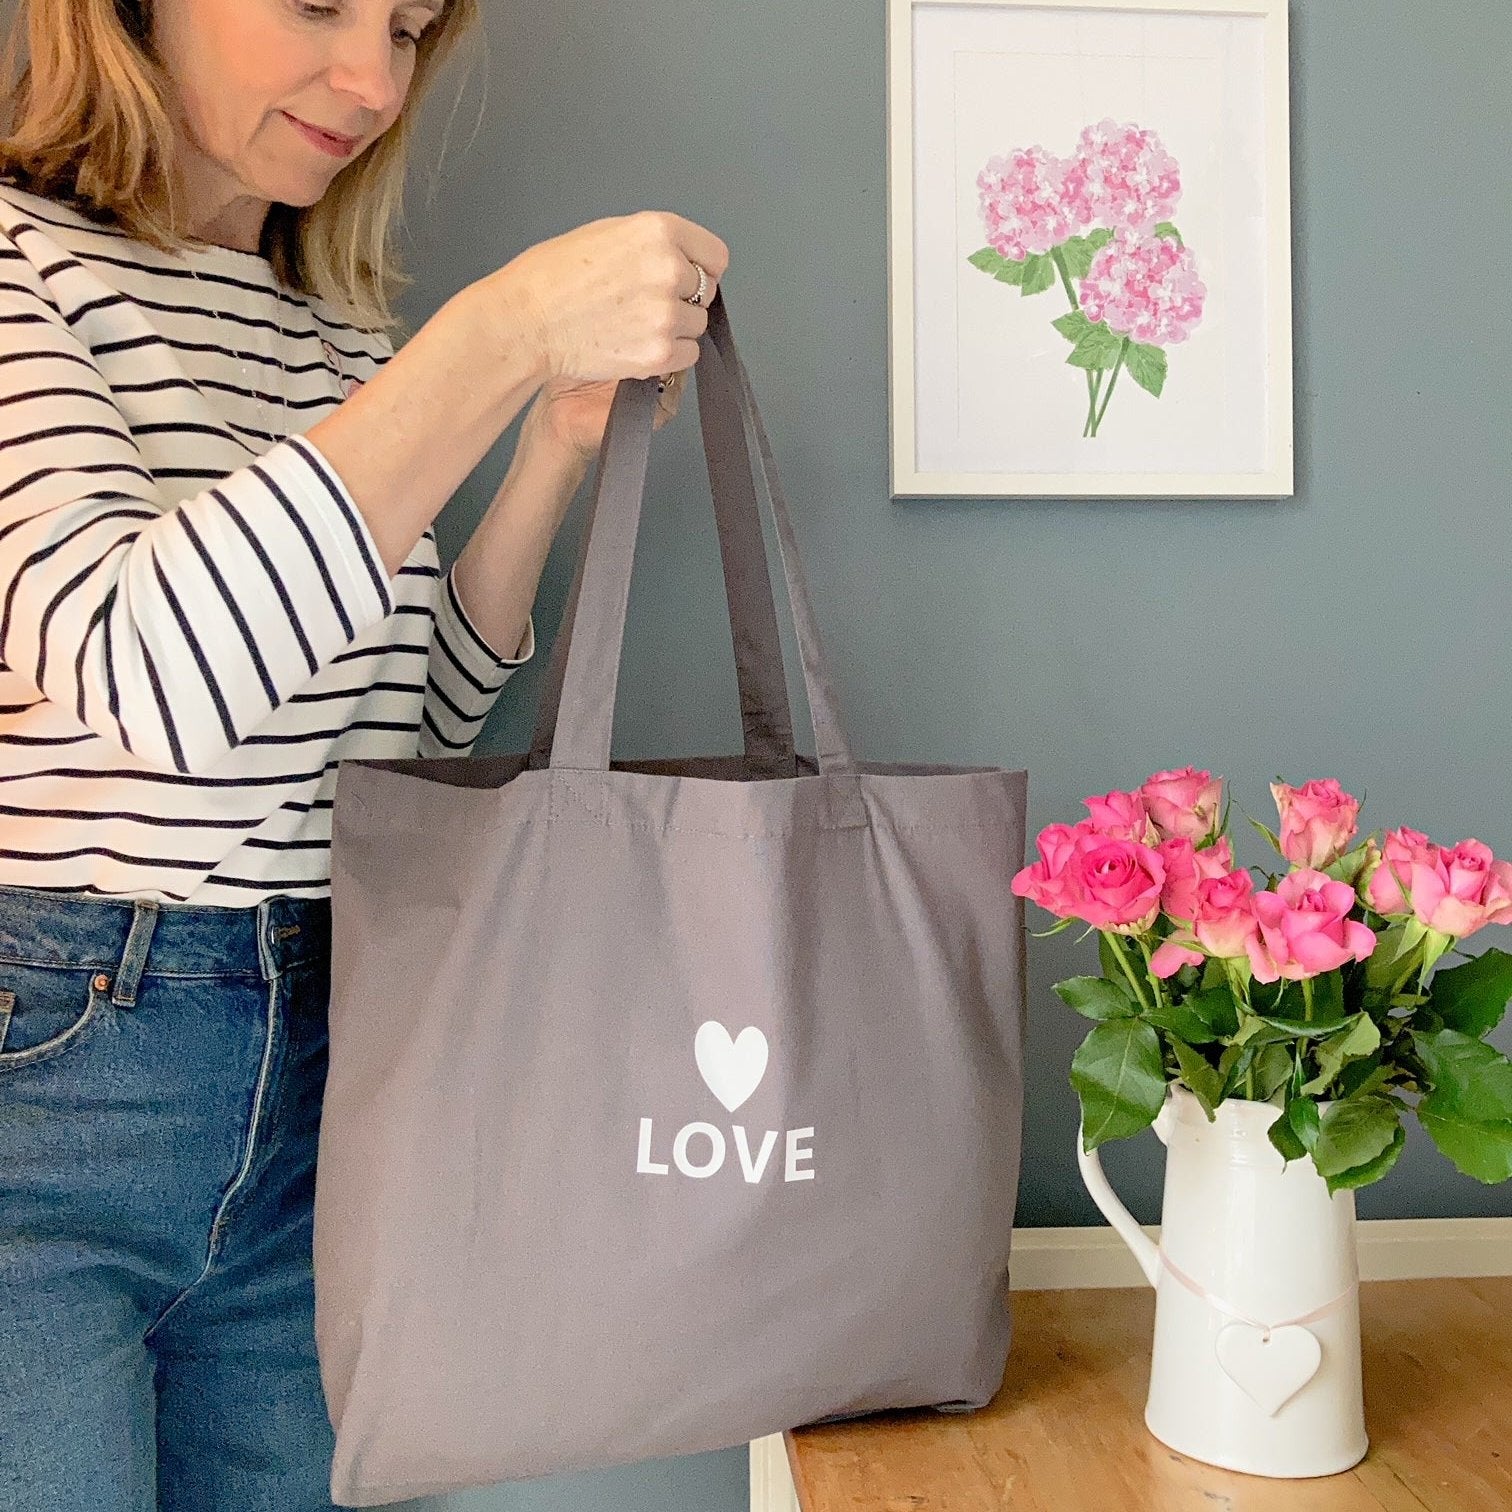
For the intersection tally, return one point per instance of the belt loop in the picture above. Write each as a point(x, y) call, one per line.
point(144, 917)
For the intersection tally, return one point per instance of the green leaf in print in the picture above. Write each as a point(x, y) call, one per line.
point(1073, 325)
point(1004, 269)
point(1078, 252)
point(1147, 366)
point(1119, 1075)
point(1165, 228)
point(1098, 348)
point(1039, 273)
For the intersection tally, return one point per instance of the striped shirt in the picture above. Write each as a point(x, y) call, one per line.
point(196, 624)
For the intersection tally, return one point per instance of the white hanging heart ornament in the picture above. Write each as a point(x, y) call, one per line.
point(731, 1068)
point(1269, 1370)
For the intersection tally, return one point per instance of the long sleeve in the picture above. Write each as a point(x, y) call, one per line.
point(464, 676)
point(171, 631)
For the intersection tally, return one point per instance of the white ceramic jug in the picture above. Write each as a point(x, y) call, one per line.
point(1256, 1361)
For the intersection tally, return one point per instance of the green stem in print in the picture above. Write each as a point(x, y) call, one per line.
point(1117, 369)
point(1059, 254)
point(1096, 388)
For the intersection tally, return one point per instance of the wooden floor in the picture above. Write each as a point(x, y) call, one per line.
point(1066, 1432)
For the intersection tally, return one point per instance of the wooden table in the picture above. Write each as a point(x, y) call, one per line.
point(1066, 1431)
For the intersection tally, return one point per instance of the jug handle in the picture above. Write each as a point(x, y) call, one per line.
point(1107, 1200)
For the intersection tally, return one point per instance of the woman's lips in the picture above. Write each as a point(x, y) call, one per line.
point(326, 141)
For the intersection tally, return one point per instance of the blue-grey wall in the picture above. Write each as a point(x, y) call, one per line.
point(1358, 630)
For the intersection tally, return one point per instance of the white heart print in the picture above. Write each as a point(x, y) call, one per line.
point(731, 1068)
point(1270, 1372)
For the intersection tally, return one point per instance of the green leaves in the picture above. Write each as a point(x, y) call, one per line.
point(1468, 1114)
point(1147, 366)
point(1311, 1009)
point(1201, 1019)
point(1206, 1084)
point(1098, 348)
point(1354, 1135)
point(1372, 1170)
point(1165, 228)
point(1073, 325)
point(1097, 998)
point(1473, 998)
point(1360, 1039)
point(1004, 269)
point(1120, 1077)
point(1039, 273)
point(1295, 1132)
point(1033, 274)
point(1078, 251)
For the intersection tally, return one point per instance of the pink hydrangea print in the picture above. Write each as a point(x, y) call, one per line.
point(1098, 224)
point(1145, 287)
point(1121, 177)
point(1024, 202)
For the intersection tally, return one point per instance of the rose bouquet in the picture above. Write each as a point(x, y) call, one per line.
point(1321, 988)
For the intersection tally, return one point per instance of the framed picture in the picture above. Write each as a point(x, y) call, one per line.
point(1089, 248)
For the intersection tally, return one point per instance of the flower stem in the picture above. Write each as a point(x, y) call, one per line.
point(1124, 962)
point(1117, 368)
point(1059, 256)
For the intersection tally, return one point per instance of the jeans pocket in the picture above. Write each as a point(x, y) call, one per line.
point(44, 1010)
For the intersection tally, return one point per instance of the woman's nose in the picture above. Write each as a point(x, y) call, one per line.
point(365, 68)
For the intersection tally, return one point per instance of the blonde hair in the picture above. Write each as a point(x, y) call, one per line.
point(89, 123)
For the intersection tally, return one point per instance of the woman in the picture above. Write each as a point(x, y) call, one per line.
point(220, 578)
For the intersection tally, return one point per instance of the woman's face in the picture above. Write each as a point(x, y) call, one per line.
point(276, 97)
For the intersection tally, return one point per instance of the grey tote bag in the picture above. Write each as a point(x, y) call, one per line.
point(670, 1103)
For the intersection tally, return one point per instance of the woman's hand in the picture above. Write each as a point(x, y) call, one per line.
point(606, 301)
point(572, 416)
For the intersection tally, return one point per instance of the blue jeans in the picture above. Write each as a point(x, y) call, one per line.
point(161, 1074)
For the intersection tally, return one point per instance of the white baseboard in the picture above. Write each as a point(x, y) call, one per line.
point(1391, 1249)
point(1052, 1259)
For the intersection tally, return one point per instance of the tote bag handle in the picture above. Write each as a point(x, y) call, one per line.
point(596, 618)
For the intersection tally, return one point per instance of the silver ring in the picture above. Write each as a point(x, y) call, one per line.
point(703, 288)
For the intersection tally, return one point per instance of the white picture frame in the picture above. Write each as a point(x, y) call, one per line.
point(1050, 133)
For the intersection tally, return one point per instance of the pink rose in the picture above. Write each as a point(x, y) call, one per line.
point(1462, 890)
point(1122, 816)
point(1225, 922)
point(1304, 928)
point(1186, 866)
point(1317, 822)
point(1386, 888)
point(1224, 925)
point(1044, 882)
point(1118, 882)
point(1183, 802)
point(1110, 883)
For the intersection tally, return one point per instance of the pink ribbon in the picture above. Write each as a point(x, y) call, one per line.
point(1200, 1291)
